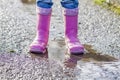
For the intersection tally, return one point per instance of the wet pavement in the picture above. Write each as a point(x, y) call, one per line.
point(98, 27)
point(99, 31)
point(57, 64)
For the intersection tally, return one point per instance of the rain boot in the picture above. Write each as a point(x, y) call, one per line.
point(39, 44)
point(71, 30)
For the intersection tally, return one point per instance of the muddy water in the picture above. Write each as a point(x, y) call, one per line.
point(58, 52)
point(28, 1)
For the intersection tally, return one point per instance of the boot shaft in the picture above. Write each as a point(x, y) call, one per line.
point(43, 24)
point(71, 22)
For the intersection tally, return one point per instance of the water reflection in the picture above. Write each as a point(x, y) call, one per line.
point(71, 60)
point(58, 53)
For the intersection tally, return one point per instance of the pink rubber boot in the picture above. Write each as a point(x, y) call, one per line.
point(43, 22)
point(71, 30)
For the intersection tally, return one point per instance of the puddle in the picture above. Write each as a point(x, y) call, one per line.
point(19, 66)
point(28, 1)
point(92, 55)
point(58, 47)
point(56, 64)
point(57, 51)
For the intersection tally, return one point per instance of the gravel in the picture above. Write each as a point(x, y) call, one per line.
point(98, 27)
point(99, 30)
point(23, 67)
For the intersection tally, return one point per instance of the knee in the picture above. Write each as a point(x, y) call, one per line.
point(70, 4)
point(44, 3)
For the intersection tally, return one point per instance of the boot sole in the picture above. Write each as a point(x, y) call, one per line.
point(38, 52)
point(74, 53)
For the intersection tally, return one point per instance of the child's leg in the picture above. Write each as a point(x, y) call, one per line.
point(71, 26)
point(43, 22)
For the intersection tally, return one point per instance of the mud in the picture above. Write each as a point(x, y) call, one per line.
point(28, 1)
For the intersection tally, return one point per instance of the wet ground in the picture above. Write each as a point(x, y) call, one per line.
point(96, 31)
point(57, 64)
